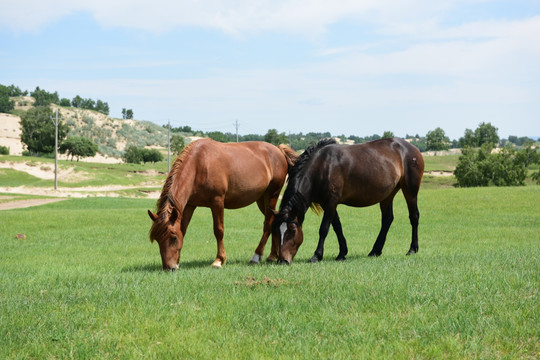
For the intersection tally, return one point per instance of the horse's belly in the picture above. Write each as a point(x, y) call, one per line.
point(367, 195)
point(246, 198)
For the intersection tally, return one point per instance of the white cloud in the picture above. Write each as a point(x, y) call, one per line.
point(231, 16)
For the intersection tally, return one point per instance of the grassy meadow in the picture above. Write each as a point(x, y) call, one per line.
point(86, 283)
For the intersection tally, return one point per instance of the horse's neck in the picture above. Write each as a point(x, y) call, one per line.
point(179, 193)
point(301, 200)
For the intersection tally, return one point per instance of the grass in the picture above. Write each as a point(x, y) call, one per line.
point(86, 283)
point(440, 163)
point(84, 174)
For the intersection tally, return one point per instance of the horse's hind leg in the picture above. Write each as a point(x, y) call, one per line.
point(414, 216)
point(410, 188)
point(264, 207)
point(387, 213)
point(343, 250)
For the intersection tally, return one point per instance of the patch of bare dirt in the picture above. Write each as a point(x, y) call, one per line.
point(44, 171)
point(79, 192)
point(17, 204)
point(439, 173)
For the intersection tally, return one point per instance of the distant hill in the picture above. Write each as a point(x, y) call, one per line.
point(110, 134)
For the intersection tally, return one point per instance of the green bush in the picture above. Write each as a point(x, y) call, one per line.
point(136, 155)
point(482, 167)
point(133, 155)
point(4, 150)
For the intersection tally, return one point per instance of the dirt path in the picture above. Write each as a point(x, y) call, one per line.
point(16, 204)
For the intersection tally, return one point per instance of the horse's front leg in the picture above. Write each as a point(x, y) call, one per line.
point(343, 250)
point(387, 217)
point(323, 232)
point(218, 214)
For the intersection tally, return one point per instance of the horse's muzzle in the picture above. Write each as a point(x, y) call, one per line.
point(283, 262)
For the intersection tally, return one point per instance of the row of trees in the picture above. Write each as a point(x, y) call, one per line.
point(45, 98)
point(434, 140)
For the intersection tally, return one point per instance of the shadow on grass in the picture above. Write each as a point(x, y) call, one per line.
point(185, 265)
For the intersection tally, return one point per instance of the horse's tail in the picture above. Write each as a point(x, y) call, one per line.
point(316, 208)
point(290, 155)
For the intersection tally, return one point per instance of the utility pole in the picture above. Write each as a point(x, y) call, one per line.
point(169, 147)
point(236, 125)
point(55, 150)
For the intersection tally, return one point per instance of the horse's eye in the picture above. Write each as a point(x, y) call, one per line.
point(173, 240)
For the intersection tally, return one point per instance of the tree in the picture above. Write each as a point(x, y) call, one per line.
point(486, 133)
point(437, 140)
point(77, 101)
point(38, 130)
point(388, 135)
point(6, 105)
point(102, 107)
point(468, 139)
point(177, 144)
point(79, 147)
point(44, 98)
point(127, 113)
point(273, 137)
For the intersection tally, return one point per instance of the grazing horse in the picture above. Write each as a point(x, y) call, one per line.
point(215, 175)
point(327, 174)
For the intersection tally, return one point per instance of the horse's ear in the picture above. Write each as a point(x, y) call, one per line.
point(153, 216)
point(174, 215)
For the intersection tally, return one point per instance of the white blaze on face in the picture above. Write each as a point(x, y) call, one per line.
point(282, 230)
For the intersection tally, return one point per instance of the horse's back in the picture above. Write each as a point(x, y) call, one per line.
point(239, 173)
point(365, 174)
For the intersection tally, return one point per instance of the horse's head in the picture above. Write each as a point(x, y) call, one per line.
point(166, 231)
point(289, 230)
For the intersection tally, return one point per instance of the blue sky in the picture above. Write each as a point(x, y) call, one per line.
point(348, 67)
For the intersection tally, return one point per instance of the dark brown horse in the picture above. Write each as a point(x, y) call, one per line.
point(327, 174)
point(215, 175)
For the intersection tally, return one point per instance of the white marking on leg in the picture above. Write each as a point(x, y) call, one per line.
point(283, 229)
point(255, 259)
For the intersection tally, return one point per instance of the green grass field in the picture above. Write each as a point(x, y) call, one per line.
point(86, 283)
point(83, 174)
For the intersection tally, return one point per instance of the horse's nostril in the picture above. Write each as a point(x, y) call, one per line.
point(283, 261)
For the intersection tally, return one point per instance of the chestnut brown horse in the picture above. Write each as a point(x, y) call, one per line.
point(327, 174)
point(211, 174)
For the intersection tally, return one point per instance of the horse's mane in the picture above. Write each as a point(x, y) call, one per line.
point(292, 198)
point(167, 198)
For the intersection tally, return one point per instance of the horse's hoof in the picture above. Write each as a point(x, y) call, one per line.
point(255, 259)
point(412, 252)
point(271, 259)
point(341, 258)
point(374, 254)
point(217, 264)
point(314, 259)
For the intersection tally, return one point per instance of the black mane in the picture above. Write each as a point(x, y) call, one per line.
point(293, 203)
